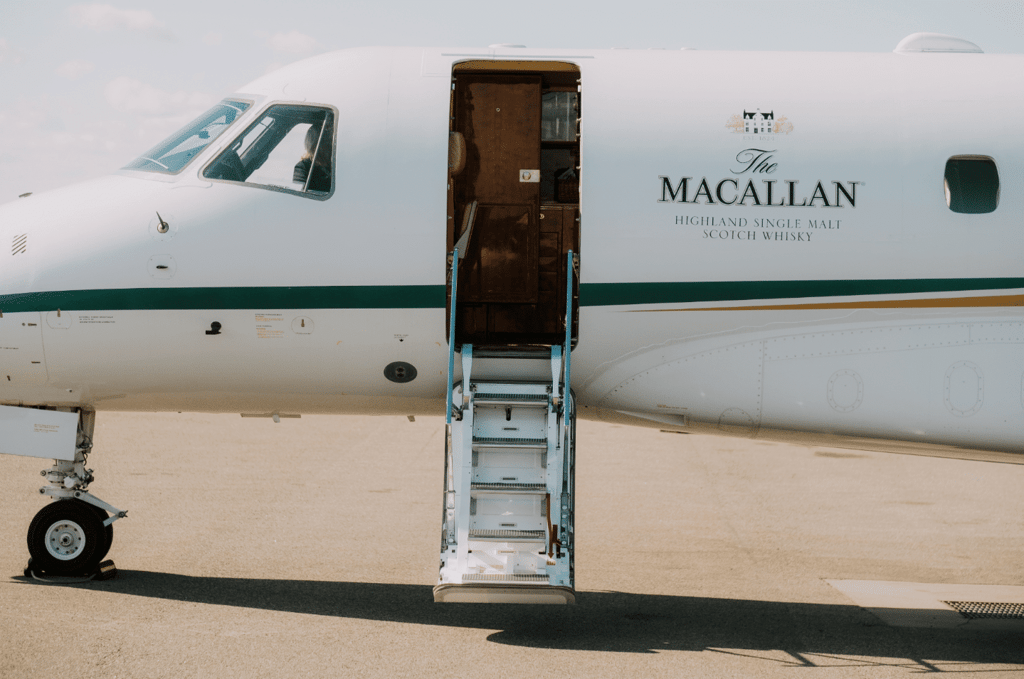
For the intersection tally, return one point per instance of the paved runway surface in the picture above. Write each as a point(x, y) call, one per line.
point(309, 548)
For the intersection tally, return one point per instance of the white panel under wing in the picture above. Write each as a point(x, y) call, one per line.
point(948, 383)
point(721, 386)
point(38, 433)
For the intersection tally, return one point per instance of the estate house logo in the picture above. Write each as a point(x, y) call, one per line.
point(759, 122)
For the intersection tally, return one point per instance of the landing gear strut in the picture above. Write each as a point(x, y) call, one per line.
point(71, 535)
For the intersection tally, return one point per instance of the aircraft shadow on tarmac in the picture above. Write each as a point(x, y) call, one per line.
point(797, 634)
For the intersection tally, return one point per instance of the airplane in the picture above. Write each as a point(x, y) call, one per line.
point(810, 248)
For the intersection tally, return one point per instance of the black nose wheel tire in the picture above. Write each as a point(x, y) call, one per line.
point(67, 537)
point(107, 537)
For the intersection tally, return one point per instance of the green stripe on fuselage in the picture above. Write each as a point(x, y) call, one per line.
point(433, 296)
point(309, 297)
point(612, 294)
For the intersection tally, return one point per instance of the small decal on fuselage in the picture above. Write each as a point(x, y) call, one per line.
point(269, 326)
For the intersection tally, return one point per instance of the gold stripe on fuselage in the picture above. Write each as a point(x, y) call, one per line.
point(938, 302)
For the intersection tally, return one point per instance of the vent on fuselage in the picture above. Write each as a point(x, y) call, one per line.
point(981, 609)
point(20, 244)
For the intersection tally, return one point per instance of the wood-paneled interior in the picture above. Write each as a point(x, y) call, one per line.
point(501, 262)
point(511, 287)
point(500, 119)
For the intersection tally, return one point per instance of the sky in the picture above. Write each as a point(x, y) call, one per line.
point(86, 87)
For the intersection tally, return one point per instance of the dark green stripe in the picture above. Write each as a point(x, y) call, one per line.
point(328, 297)
point(609, 294)
point(433, 296)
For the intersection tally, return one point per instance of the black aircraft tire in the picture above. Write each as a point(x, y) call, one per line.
point(65, 537)
point(108, 531)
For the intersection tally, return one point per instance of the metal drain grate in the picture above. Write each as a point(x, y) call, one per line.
point(981, 609)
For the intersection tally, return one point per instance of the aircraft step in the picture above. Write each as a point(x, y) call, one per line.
point(507, 530)
point(508, 487)
point(520, 400)
point(504, 593)
point(508, 535)
point(497, 577)
point(509, 443)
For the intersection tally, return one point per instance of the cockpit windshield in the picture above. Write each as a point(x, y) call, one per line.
point(174, 153)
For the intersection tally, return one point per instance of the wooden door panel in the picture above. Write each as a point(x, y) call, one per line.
point(500, 118)
point(501, 264)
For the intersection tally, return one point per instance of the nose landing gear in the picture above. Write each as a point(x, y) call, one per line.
point(71, 535)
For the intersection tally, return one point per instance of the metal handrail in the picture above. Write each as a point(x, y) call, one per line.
point(448, 535)
point(568, 411)
point(451, 337)
point(567, 351)
point(567, 408)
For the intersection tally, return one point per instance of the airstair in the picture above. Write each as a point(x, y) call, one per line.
point(507, 526)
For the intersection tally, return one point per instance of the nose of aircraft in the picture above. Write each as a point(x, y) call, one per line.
point(70, 238)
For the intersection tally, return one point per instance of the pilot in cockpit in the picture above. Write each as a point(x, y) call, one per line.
point(315, 175)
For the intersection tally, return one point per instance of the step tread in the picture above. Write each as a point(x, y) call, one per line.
point(506, 534)
point(511, 487)
point(504, 577)
point(505, 592)
point(521, 400)
point(501, 442)
point(535, 352)
point(500, 385)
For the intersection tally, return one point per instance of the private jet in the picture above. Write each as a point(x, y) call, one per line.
point(813, 248)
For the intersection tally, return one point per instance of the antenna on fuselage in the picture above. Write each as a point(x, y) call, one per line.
point(164, 226)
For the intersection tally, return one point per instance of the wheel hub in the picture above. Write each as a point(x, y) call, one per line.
point(65, 540)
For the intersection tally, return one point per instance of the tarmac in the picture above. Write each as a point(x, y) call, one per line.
point(309, 548)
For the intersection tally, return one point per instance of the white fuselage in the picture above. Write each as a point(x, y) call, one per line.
point(761, 255)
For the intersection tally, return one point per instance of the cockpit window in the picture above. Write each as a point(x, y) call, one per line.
point(175, 152)
point(289, 148)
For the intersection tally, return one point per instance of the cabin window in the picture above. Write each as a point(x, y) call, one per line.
point(172, 154)
point(972, 185)
point(288, 148)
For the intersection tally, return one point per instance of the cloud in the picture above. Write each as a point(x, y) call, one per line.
point(8, 55)
point(101, 17)
point(74, 68)
point(294, 42)
point(213, 38)
point(133, 96)
point(40, 150)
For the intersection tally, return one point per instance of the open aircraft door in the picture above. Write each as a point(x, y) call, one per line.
point(509, 520)
point(513, 199)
